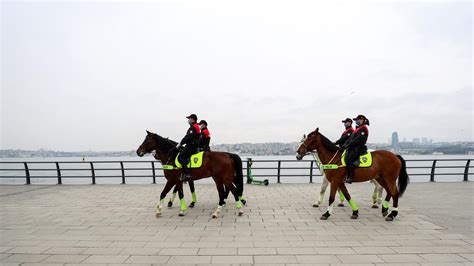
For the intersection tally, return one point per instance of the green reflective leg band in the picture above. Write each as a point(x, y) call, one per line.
point(341, 196)
point(183, 205)
point(238, 204)
point(353, 205)
point(194, 197)
point(385, 204)
point(241, 198)
point(173, 197)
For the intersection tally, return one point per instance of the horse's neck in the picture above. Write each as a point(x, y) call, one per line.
point(162, 156)
point(325, 156)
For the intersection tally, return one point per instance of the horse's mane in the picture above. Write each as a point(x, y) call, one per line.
point(328, 144)
point(164, 144)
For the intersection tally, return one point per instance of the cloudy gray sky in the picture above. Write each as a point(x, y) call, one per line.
point(95, 75)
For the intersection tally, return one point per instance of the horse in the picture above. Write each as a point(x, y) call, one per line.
point(376, 195)
point(386, 169)
point(225, 169)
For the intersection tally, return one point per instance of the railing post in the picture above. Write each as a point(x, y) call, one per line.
point(311, 172)
point(153, 170)
point(433, 167)
point(466, 171)
point(278, 173)
point(59, 173)
point(27, 174)
point(93, 173)
point(249, 181)
point(123, 173)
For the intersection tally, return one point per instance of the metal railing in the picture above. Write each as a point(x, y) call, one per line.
point(152, 167)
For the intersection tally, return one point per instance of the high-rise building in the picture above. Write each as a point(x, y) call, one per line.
point(395, 140)
point(416, 141)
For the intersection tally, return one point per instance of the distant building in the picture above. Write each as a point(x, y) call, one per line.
point(394, 140)
point(424, 141)
point(416, 140)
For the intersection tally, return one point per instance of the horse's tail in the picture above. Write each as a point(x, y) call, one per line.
point(239, 176)
point(403, 178)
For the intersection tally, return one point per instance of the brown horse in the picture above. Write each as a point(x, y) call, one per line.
point(225, 169)
point(386, 169)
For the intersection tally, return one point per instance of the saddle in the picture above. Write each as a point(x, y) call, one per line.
point(365, 160)
point(194, 162)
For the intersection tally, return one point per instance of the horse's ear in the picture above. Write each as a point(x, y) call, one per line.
point(304, 136)
point(317, 130)
point(148, 132)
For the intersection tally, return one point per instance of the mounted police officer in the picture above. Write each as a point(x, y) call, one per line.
point(355, 145)
point(346, 134)
point(191, 142)
point(205, 137)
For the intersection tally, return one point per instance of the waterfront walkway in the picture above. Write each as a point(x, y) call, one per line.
point(99, 224)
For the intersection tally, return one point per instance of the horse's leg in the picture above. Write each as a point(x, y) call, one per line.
point(222, 194)
point(379, 194)
point(355, 209)
point(193, 194)
point(385, 203)
point(173, 196)
point(375, 194)
point(238, 203)
point(394, 193)
point(324, 186)
point(341, 198)
point(184, 207)
point(159, 207)
point(332, 197)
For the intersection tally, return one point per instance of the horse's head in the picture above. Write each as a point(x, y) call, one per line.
point(308, 144)
point(148, 145)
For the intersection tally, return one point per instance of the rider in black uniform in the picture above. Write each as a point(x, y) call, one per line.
point(191, 141)
point(356, 145)
point(346, 134)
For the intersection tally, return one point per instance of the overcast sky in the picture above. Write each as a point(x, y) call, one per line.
point(94, 76)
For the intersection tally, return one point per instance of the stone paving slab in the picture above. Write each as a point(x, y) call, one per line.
point(115, 224)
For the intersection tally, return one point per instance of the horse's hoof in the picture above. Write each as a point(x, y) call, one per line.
point(170, 204)
point(157, 215)
point(355, 215)
point(181, 214)
point(241, 212)
point(340, 205)
point(325, 216)
point(214, 216)
point(389, 219)
point(375, 206)
point(316, 205)
point(191, 205)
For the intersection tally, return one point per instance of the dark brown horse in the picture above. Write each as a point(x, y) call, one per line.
point(386, 169)
point(225, 169)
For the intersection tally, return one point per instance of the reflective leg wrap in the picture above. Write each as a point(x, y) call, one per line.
point(353, 205)
point(330, 209)
point(374, 196)
point(238, 204)
point(385, 204)
point(194, 197)
point(394, 209)
point(341, 196)
point(183, 205)
point(173, 197)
